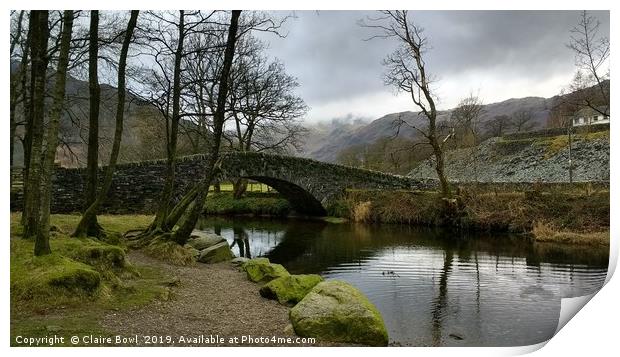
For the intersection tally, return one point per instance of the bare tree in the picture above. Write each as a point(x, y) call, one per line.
point(466, 117)
point(181, 235)
point(94, 100)
point(591, 56)
point(407, 72)
point(523, 120)
point(41, 245)
point(87, 217)
point(38, 48)
point(264, 107)
point(498, 125)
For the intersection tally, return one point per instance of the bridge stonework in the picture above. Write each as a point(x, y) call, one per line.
point(309, 185)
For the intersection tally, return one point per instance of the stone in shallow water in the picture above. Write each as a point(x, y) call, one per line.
point(261, 270)
point(290, 289)
point(338, 312)
point(216, 253)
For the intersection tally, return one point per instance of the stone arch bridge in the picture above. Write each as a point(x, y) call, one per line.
point(309, 185)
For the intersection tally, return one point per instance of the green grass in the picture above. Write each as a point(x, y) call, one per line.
point(68, 291)
point(252, 187)
point(253, 203)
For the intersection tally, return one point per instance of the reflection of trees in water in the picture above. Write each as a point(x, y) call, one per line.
point(241, 238)
point(440, 302)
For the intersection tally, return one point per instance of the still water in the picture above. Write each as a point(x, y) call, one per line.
point(432, 288)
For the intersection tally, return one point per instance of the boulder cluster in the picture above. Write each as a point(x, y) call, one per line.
point(330, 310)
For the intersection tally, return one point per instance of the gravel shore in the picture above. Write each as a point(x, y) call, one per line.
point(209, 305)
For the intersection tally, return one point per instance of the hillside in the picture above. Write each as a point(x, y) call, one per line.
point(527, 160)
point(340, 138)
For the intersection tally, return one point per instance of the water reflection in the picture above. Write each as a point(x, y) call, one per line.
point(432, 288)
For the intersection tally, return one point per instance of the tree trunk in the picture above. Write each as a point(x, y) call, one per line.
point(92, 160)
point(40, 35)
point(42, 243)
point(181, 235)
point(166, 198)
point(15, 93)
point(81, 229)
point(240, 186)
point(444, 185)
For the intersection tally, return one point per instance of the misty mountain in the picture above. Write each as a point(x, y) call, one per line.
point(326, 143)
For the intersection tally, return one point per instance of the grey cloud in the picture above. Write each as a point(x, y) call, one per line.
point(327, 52)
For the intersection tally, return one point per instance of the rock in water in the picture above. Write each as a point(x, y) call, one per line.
point(261, 270)
point(290, 289)
point(216, 253)
point(336, 311)
point(201, 240)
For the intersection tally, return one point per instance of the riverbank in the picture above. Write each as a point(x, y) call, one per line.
point(581, 215)
point(578, 215)
point(87, 287)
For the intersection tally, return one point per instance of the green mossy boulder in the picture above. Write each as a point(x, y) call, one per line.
point(77, 278)
point(219, 252)
point(201, 240)
point(261, 270)
point(338, 312)
point(290, 289)
point(52, 275)
point(104, 255)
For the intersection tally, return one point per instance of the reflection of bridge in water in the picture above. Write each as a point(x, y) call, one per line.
point(309, 185)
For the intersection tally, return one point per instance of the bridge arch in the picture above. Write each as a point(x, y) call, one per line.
point(301, 200)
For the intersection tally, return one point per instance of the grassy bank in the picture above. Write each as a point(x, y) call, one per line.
point(568, 217)
point(252, 203)
point(68, 291)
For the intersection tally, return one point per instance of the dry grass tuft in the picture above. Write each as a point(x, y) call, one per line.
point(546, 232)
point(361, 211)
point(170, 252)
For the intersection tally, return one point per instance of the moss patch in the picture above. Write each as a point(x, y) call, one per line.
point(336, 311)
point(290, 289)
point(68, 291)
point(261, 270)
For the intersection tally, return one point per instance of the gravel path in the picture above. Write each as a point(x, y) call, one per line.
point(210, 300)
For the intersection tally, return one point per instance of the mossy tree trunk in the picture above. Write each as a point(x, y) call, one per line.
point(81, 229)
point(41, 244)
point(182, 234)
point(94, 89)
point(40, 35)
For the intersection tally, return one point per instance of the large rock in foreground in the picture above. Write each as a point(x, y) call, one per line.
point(261, 270)
point(338, 312)
point(290, 289)
point(219, 252)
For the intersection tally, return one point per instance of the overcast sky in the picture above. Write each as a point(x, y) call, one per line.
point(496, 54)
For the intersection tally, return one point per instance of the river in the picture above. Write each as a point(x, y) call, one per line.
point(432, 287)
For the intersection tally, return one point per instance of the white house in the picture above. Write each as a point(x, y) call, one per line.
point(588, 116)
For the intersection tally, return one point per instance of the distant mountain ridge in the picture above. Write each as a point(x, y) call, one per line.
point(343, 136)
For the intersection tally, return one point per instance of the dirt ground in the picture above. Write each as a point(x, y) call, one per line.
point(207, 302)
